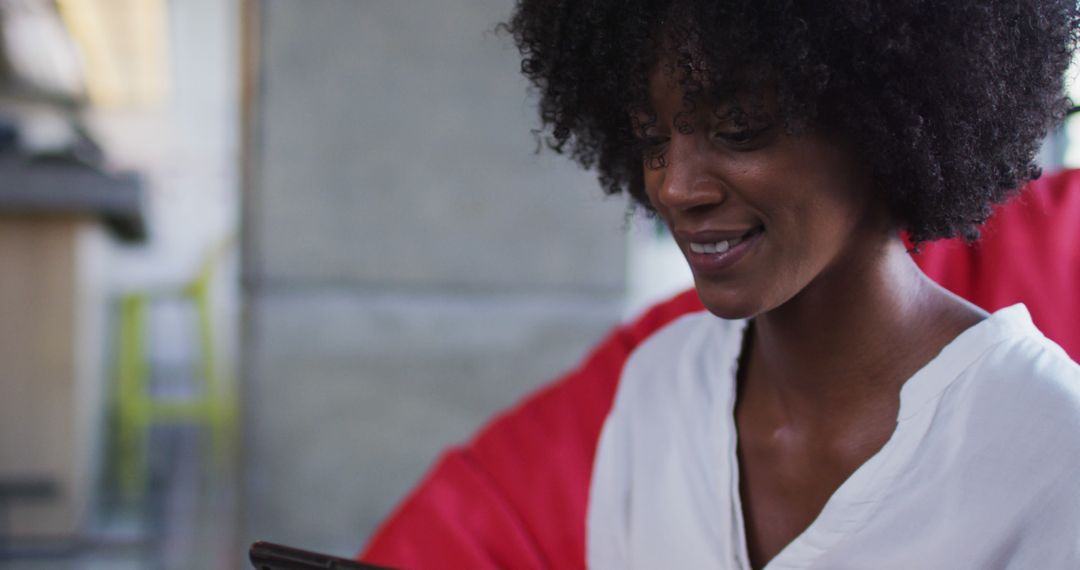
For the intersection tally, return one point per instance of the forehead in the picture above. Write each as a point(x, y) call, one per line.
point(674, 89)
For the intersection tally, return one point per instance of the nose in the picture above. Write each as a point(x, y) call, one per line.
point(689, 179)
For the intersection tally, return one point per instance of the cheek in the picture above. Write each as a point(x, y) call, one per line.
point(824, 194)
point(814, 217)
point(652, 179)
point(817, 227)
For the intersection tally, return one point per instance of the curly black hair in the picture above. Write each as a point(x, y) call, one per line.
point(947, 100)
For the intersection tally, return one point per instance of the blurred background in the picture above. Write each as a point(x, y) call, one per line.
point(263, 259)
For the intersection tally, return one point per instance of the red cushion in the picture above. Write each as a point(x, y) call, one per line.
point(491, 505)
point(1029, 252)
point(515, 496)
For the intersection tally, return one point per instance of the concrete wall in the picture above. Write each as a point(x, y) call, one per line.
point(412, 265)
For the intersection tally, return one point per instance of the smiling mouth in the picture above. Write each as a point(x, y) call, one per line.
point(724, 245)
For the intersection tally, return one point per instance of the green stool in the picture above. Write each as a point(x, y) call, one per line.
point(213, 407)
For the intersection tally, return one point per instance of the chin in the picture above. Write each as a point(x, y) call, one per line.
point(728, 304)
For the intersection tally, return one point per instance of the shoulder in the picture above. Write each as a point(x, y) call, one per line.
point(1022, 398)
point(1029, 381)
point(678, 358)
point(1022, 444)
point(656, 441)
point(679, 338)
point(1027, 367)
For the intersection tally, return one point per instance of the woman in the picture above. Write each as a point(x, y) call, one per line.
point(836, 409)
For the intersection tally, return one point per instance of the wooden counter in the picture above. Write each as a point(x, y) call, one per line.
point(53, 337)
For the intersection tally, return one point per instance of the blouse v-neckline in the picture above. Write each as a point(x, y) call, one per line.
point(854, 501)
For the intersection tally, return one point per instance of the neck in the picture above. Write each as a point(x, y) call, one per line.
point(847, 342)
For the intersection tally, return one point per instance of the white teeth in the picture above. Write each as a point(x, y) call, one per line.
point(718, 247)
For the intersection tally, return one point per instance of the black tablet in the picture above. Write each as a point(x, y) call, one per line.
point(270, 556)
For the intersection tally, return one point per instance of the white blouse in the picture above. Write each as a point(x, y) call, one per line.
point(982, 471)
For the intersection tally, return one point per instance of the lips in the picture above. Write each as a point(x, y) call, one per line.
point(714, 251)
point(718, 247)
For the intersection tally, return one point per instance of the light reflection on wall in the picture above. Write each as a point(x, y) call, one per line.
point(123, 44)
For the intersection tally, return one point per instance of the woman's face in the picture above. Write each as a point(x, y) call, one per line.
point(760, 215)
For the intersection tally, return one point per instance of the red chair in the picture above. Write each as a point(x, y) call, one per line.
point(515, 496)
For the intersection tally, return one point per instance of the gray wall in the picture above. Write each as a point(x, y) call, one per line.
point(412, 265)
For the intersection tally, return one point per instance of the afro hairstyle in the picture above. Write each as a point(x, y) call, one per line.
point(947, 102)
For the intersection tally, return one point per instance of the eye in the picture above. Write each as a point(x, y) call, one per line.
point(743, 137)
point(741, 130)
point(739, 136)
